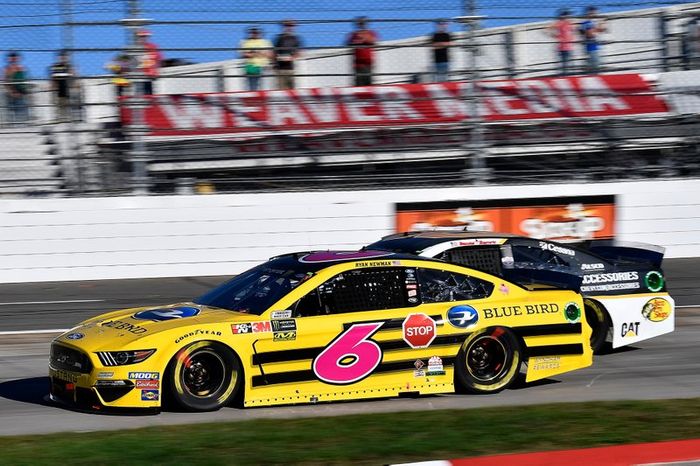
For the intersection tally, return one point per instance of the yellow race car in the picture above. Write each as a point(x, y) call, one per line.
point(322, 326)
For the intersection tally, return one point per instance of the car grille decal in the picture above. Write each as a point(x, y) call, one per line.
point(311, 353)
point(308, 375)
point(554, 329)
point(555, 350)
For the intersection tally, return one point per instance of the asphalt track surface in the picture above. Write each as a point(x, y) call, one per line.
point(661, 368)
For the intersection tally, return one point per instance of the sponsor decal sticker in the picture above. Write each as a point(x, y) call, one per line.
point(503, 288)
point(527, 309)
point(378, 264)
point(198, 332)
point(541, 363)
point(654, 281)
point(572, 312)
point(419, 330)
point(64, 375)
point(556, 248)
point(150, 384)
point(656, 310)
point(592, 266)
point(462, 316)
point(629, 329)
point(171, 313)
point(281, 314)
point(105, 375)
point(150, 395)
point(284, 336)
point(284, 325)
point(144, 375)
point(75, 336)
point(435, 366)
point(119, 325)
point(251, 327)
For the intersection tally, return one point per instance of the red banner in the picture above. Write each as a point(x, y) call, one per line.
point(400, 105)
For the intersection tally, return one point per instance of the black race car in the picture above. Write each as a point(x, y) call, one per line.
point(623, 284)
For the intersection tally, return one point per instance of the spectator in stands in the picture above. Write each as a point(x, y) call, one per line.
point(256, 51)
point(64, 87)
point(591, 29)
point(441, 42)
point(287, 45)
point(691, 44)
point(150, 61)
point(563, 31)
point(120, 68)
point(16, 89)
point(362, 40)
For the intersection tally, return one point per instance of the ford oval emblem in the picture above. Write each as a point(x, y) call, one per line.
point(167, 314)
point(75, 336)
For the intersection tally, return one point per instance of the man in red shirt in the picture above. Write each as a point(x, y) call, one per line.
point(563, 31)
point(150, 60)
point(362, 40)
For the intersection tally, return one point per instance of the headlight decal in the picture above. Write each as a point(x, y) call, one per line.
point(124, 358)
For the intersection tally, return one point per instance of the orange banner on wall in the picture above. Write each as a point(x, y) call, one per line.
point(562, 219)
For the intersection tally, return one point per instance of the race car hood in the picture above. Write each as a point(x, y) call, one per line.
point(129, 325)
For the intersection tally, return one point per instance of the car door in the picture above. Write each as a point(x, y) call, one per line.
point(346, 330)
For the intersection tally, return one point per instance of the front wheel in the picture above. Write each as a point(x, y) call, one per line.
point(488, 361)
point(599, 322)
point(204, 376)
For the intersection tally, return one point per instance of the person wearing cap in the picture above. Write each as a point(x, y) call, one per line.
point(256, 53)
point(563, 31)
point(441, 42)
point(149, 64)
point(591, 29)
point(287, 45)
point(63, 85)
point(120, 68)
point(16, 89)
point(362, 41)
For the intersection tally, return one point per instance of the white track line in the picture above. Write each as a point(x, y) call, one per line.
point(687, 306)
point(30, 332)
point(54, 302)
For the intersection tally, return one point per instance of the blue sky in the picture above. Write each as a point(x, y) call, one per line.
point(32, 26)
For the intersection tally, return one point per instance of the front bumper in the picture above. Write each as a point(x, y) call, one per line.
point(90, 386)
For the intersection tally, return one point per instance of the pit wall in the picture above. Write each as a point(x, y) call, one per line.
point(171, 236)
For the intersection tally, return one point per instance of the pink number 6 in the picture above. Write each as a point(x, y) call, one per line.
point(351, 357)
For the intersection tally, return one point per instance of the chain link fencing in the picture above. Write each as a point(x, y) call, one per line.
point(110, 97)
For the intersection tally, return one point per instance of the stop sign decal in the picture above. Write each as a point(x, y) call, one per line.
point(419, 330)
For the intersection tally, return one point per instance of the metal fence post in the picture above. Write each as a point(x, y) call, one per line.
point(509, 51)
point(136, 103)
point(664, 39)
point(477, 171)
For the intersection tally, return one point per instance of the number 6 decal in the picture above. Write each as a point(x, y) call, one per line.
point(351, 357)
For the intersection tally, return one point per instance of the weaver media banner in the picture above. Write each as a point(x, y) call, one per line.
point(399, 105)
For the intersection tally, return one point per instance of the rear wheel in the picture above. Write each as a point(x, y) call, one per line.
point(204, 376)
point(599, 322)
point(488, 361)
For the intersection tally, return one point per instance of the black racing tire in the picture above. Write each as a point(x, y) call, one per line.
point(488, 361)
point(204, 376)
point(599, 321)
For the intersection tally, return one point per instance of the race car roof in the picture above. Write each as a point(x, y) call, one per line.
point(414, 242)
point(312, 261)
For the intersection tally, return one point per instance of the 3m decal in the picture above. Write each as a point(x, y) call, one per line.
point(158, 315)
point(656, 310)
point(251, 327)
point(351, 357)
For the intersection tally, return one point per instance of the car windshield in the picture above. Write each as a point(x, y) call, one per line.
point(254, 291)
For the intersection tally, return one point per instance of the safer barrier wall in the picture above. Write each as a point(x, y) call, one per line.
point(138, 237)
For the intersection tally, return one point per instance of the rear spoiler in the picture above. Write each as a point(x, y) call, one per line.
point(626, 251)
